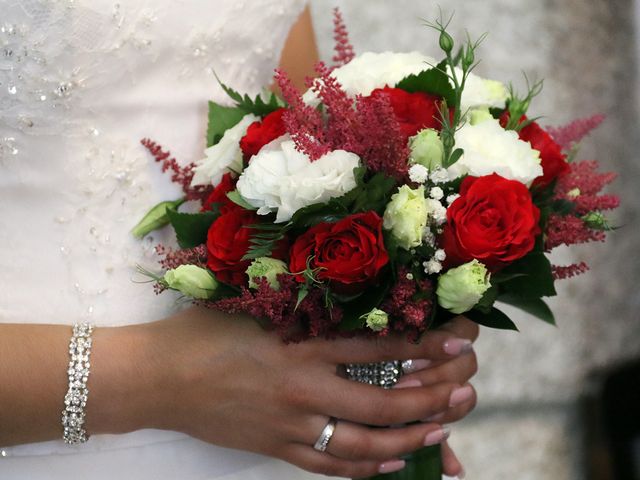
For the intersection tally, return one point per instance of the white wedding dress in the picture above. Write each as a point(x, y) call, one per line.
point(81, 82)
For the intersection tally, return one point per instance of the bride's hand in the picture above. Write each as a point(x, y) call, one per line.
point(226, 381)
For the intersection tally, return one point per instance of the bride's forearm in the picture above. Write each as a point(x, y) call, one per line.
point(125, 384)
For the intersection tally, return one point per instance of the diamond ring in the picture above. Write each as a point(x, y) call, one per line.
point(323, 440)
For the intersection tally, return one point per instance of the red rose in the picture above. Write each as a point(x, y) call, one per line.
point(553, 161)
point(414, 111)
point(227, 243)
point(219, 195)
point(260, 133)
point(494, 220)
point(349, 253)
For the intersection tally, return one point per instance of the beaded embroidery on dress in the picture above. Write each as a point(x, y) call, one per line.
point(81, 82)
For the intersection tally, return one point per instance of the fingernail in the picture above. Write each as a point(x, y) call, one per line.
point(435, 418)
point(391, 466)
point(436, 437)
point(460, 395)
point(462, 474)
point(410, 366)
point(457, 346)
point(407, 384)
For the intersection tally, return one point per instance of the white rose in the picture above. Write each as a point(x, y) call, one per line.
point(284, 180)
point(369, 71)
point(224, 156)
point(489, 148)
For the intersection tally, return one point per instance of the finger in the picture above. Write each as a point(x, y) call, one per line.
point(326, 464)
point(357, 442)
point(450, 463)
point(372, 405)
point(462, 327)
point(434, 345)
point(458, 370)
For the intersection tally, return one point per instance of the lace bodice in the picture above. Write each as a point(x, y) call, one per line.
point(81, 82)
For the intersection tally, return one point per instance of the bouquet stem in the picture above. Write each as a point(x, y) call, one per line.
point(425, 464)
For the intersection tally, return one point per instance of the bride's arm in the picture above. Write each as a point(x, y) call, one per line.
point(225, 380)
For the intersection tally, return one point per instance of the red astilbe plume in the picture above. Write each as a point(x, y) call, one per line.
point(583, 184)
point(407, 314)
point(575, 131)
point(188, 256)
point(309, 319)
point(570, 230)
point(343, 48)
point(303, 122)
point(563, 272)
point(180, 175)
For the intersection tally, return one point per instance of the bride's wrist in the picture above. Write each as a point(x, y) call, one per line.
point(130, 383)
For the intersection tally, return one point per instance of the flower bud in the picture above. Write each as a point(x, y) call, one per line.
point(468, 58)
point(377, 320)
point(596, 221)
point(406, 216)
point(461, 288)
point(155, 218)
point(191, 280)
point(266, 267)
point(427, 149)
point(446, 42)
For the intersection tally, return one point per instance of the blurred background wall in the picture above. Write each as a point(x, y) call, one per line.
point(532, 420)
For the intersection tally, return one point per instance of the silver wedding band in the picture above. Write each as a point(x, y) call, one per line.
point(323, 440)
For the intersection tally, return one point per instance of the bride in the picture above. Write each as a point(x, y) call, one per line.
point(174, 393)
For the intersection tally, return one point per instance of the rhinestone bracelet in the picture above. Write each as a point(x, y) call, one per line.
point(75, 400)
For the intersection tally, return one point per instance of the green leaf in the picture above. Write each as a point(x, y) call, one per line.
point(434, 81)
point(488, 299)
point(535, 277)
point(302, 294)
point(455, 156)
point(221, 119)
point(155, 218)
point(535, 306)
point(493, 319)
point(255, 105)
point(236, 198)
point(563, 207)
point(191, 228)
point(374, 194)
point(266, 240)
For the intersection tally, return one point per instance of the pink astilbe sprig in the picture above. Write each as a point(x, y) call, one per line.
point(407, 313)
point(562, 272)
point(583, 184)
point(570, 230)
point(383, 147)
point(303, 122)
point(179, 174)
point(567, 135)
point(344, 52)
point(189, 256)
point(309, 319)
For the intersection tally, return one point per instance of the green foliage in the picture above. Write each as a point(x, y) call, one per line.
point(356, 310)
point(434, 80)
point(256, 105)
point(534, 279)
point(534, 306)
point(265, 241)
point(221, 119)
point(519, 105)
point(494, 318)
point(191, 228)
point(236, 198)
point(488, 299)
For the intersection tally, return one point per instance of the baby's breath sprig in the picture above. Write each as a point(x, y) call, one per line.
point(458, 75)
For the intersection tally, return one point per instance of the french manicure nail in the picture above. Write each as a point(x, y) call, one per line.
point(462, 475)
point(436, 437)
point(408, 384)
point(410, 366)
point(391, 466)
point(435, 418)
point(460, 395)
point(457, 346)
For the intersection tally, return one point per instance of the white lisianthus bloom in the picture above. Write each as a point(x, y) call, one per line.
point(224, 156)
point(482, 93)
point(489, 148)
point(284, 180)
point(370, 70)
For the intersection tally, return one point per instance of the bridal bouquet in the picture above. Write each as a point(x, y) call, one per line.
point(397, 192)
